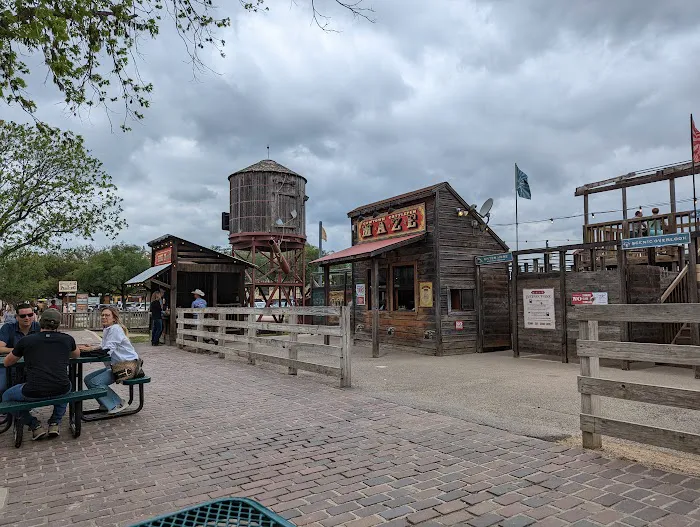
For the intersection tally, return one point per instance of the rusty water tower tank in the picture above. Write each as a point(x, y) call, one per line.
point(267, 204)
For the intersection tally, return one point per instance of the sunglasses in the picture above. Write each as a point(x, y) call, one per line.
point(26, 315)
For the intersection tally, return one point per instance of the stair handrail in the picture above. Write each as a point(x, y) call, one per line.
point(674, 284)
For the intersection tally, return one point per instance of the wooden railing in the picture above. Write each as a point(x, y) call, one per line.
point(633, 227)
point(218, 329)
point(131, 319)
point(676, 293)
point(590, 350)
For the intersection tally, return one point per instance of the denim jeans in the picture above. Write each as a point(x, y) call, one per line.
point(100, 378)
point(157, 330)
point(14, 394)
point(3, 379)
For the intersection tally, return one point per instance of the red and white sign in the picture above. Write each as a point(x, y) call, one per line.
point(589, 299)
point(164, 256)
point(459, 325)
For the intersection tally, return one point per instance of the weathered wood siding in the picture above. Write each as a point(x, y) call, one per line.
point(495, 298)
point(409, 327)
point(458, 245)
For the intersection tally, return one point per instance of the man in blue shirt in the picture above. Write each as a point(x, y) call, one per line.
point(12, 333)
point(198, 301)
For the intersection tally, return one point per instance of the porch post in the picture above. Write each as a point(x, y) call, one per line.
point(375, 307)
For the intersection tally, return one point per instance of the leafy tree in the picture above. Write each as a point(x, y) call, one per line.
point(50, 187)
point(22, 277)
point(105, 271)
point(88, 47)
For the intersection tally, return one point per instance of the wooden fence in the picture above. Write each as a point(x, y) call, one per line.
point(131, 319)
point(591, 387)
point(224, 326)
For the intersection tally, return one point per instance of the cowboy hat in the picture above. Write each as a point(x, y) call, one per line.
point(198, 292)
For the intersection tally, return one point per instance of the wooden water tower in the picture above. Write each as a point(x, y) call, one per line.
point(267, 227)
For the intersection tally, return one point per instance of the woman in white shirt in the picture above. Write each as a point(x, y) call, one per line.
point(120, 349)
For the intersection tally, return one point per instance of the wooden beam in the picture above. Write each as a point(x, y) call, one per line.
point(326, 295)
point(624, 203)
point(693, 293)
point(273, 311)
point(437, 292)
point(590, 367)
point(563, 298)
point(670, 313)
point(645, 393)
point(650, 435)
point(640, 351)
point(596, 245)
point(624, 297)
point(632, 180)
point(159, 283)
point(375, 306)
point(172, 303)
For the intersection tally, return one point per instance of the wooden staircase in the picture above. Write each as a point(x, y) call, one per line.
point(677, 293)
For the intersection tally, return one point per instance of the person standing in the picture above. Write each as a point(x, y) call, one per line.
point(156, 319)
point(14, 331)
point(46, 358)
point(198, 301)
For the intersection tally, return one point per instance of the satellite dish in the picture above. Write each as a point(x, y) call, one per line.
point(294, 214)
point(486, 207)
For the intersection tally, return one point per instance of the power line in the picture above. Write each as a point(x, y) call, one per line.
point(552, 219)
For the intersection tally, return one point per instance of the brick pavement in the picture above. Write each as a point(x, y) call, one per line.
point(322, 457)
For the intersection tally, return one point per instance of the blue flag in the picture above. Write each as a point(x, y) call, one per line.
point(522, 187)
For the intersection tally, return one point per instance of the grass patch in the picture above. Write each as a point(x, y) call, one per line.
point(139, 338)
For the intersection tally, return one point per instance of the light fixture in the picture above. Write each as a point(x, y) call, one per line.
point(592, 214)
point(294, 214)
point(551, 220)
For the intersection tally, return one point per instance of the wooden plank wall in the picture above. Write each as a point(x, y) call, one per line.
point(495, 297)
point(645, 288)
point(409, 327)
point(458, 245)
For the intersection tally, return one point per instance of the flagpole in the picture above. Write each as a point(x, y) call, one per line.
point(320, 239)
point(517, 246)
point(692, 160)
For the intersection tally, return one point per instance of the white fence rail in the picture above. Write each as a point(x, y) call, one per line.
point(131, 319)
point(219, 329)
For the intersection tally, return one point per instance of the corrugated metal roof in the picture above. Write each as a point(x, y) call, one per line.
point(147, 274)
point(362, 251)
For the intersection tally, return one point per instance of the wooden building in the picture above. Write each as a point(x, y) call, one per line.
point(415, 280)
point(178, 267)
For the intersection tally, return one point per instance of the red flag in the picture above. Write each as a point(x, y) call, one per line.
point(695, 141)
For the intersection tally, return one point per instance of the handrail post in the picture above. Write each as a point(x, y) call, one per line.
point(590, 367)
point(251, 333)
point(293, 352)
point(345, 347)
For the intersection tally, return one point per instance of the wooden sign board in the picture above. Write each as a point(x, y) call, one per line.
point(67, 286)
point(410, 220)
point(164, 256)
point(538, 308)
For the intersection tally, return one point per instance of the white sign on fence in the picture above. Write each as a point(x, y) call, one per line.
point(360, 294)
point(538, 308)
point(67, 286)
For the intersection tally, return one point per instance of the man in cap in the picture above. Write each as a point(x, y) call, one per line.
point(46, 358)
point(198, 301)
point(12, 332)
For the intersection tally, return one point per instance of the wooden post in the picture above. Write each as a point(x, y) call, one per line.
point(345, 348)
point(693, 292)
point(214, 289)
point(535, 265)
point(293, 352)
point(592, 257)
point(437, 291)
point(375, 307)
point(672, 195)
point(200, 326)
point(172, 304)
point(624, 297)
point(585, 212)
point(590, 367)
point(514, 304)
point(564, 302)
point(479, 312)
point(221, 330)
point(327, 297)
point(547, 265)
point(251, 333)
point(624, 203)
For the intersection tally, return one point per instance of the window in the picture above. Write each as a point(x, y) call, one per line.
point(404, 288)
point(381, 292)
point(461, 299)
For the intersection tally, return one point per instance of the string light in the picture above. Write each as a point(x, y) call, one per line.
point(592, 214)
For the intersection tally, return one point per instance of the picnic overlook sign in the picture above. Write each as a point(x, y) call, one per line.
point(409, 220)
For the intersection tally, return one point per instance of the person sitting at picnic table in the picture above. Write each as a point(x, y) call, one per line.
point(124, 361)
point(46, 358)
point(12, 332)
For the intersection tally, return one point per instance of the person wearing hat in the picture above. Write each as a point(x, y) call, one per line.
point(198, 301)
point(46, 357)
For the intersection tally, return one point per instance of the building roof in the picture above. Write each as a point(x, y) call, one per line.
point(225, 258)
point(267, 165)
point(146, 275)
point(363, 251)
point(408, 196)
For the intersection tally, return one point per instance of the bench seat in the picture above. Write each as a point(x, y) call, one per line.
point(137, 380)
point(82, 395)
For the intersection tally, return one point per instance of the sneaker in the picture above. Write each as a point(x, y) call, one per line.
point(119, 408)
point(38, 432)
point(53, 430)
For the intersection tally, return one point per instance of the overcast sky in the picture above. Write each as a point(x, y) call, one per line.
point(440, 90)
